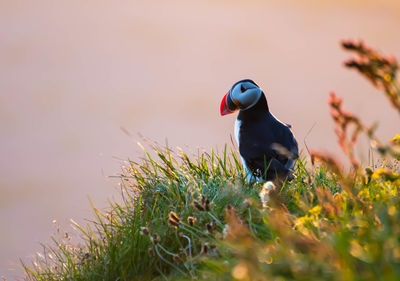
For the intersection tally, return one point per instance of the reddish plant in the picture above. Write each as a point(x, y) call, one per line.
point(380, 70)
point(343, 120)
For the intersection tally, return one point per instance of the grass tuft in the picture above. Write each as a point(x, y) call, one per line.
point(185, 217)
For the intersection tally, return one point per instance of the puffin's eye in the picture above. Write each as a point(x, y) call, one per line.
point(242, 88)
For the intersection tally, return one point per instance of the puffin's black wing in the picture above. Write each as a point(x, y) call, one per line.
point(269, 149)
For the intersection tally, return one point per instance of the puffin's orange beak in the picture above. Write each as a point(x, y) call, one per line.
point(224, 106)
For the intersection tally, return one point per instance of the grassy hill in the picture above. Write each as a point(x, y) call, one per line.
point(198, 219)
point(186, 217)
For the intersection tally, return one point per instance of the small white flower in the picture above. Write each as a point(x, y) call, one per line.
point(264, 193)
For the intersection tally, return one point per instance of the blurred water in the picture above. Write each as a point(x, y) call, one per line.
point(72, 73)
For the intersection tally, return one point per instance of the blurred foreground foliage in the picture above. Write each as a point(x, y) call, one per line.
point(187, 217)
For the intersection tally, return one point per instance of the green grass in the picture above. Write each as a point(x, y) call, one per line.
point(320, 226)
point(194, 217)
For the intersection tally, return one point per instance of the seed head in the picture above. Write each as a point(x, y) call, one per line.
point(174, 216)
point(204, 249)
point(155, 239)
point(173, 223)
point(207, 205)
point(211, 226)
point(173, 219)
point(198, 206)
point(144, 230)
point(191, 220)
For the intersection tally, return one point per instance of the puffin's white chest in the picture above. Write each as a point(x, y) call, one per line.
point(237, 130)
point(249, 175)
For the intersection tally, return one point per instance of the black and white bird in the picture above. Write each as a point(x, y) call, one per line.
point(267, 146)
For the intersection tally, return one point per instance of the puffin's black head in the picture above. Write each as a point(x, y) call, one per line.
point(243, 95)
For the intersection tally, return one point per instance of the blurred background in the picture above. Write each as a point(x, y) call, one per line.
point(72, 73)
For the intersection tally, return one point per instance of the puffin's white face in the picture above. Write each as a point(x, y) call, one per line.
point(243, 95)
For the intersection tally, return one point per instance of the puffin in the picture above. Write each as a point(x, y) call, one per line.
point(267, 146)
